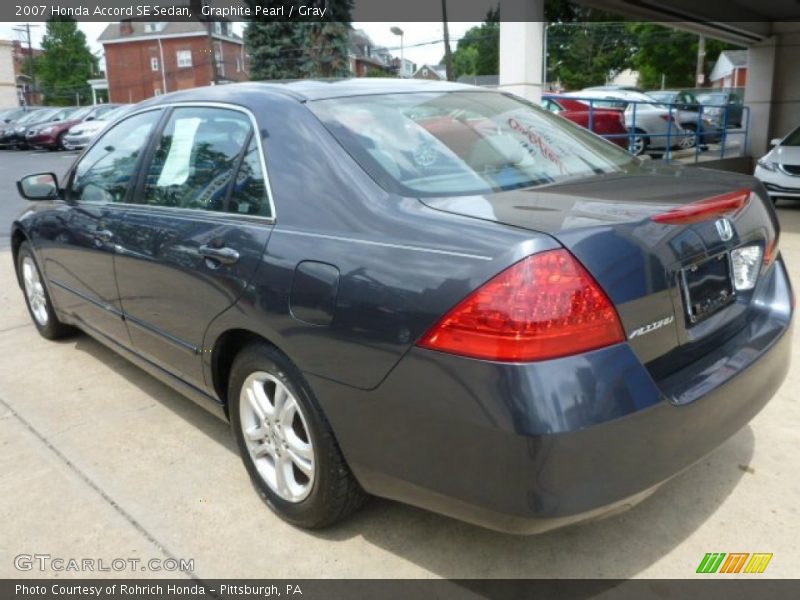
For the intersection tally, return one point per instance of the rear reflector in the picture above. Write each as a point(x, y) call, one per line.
point(771, 251)
point(716, 206)
point(545, 306)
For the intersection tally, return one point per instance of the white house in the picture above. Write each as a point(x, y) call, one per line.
point(730, 70)
point(9, 95)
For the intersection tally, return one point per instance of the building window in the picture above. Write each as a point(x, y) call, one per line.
point(217, 27)
point(184, 58)
point(157, 91)
point(153, 63)
point(238, 64)
point(154, 27)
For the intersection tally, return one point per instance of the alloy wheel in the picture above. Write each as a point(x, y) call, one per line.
point(638, 145)
point(277, 436)
point(34, 291)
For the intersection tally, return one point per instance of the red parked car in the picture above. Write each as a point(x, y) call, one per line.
point(51, 135)
point(608, 122)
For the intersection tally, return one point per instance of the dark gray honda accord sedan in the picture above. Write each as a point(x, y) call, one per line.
point(424, 291)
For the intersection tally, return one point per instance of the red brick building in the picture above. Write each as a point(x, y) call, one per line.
point(145, 59)
point(22, 58)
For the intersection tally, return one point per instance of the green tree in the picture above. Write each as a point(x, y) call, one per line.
point(299, 49)
point(66, 64)
point(478, 51)
point(666, 51)
point(583, 48)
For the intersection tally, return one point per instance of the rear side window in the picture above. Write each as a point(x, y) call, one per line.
point(249, 195)
point(196, 157)
point(105, 172)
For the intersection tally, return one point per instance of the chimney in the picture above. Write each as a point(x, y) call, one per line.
point(125, 27)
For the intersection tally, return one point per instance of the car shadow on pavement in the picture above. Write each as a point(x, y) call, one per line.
point(194, 414)
point(618, 547)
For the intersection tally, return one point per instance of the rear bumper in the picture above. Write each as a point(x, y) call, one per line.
point(76, 142)
point(42, 141)
point(525, 448)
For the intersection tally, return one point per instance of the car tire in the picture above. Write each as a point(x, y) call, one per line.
point(639, 143)
point(37, 298)
point(689, 141)
point(286, 443)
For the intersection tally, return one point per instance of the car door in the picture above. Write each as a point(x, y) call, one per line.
point(196, 235)
point(78, 245)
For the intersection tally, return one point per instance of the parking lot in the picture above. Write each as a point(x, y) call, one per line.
point(101, 461)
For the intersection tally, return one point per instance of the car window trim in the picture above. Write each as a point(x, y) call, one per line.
point(236, 168)
point(137, 168)
point(139, 187)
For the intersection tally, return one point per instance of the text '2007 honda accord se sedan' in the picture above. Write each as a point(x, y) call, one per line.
point(422, 291)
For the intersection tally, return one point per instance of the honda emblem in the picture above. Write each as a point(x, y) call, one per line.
point(724, 229)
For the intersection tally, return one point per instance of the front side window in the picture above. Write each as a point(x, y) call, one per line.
point(551, 106)
point(184, 58)
point(196, 157)
point(454, 143)
point(105, 172)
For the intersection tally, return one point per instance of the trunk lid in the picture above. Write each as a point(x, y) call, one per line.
point(606, 221)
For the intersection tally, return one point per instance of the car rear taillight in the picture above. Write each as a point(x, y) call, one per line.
point(545, 306)
point(667, 118)
point(717, 206)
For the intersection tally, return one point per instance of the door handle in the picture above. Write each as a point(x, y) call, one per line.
point(224, 256)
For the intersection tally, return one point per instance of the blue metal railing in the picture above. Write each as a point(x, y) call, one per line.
point(671, 130)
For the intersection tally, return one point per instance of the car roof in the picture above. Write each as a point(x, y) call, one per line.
point(316, 89)
point(613, 95)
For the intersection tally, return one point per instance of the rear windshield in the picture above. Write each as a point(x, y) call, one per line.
point(663, 96)
point(712, 99)
point(460, 143)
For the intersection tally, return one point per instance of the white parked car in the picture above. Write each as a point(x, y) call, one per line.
point(779, 169)
point(80, 135)
point(644, 115)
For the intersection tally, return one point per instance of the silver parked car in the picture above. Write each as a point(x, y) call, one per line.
point(655, 127)
point(81, 134)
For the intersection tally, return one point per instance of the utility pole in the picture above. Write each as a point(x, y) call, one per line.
point(26, 29)
point(212, 47)
point(448, 56)
point(700, 77)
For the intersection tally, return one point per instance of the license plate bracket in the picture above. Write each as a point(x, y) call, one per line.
point(708, 286)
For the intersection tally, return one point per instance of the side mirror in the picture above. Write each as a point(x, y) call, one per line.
point(774, 142)
point(42, 186)
point(90, 118)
